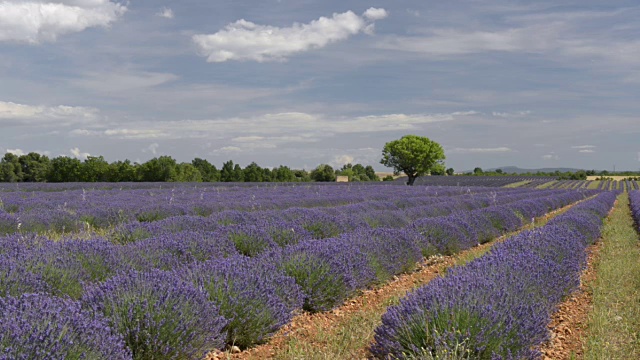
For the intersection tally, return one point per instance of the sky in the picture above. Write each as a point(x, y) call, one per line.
point(299, 83)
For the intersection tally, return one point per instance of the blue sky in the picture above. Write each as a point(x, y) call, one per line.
point(299, 83)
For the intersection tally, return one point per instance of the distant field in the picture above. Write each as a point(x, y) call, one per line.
point(617, 178)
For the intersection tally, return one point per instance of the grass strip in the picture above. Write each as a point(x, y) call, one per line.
point(614, 322)
point(547, 184)
point(517, 184)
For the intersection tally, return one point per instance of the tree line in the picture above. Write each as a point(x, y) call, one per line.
point(35, 167)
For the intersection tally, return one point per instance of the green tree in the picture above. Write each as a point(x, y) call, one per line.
point(65, 169)
point(10, 168)
point(159, 169)
point(188, 173)
point(414, 155)
point(95, 169)
point(207, 170)
point(302, 175)
point(35, 167)
point(324, 173)
point(478, 171)
point(267, 175)
point(231, 172)
point(371, 173)
point(450, 171)
point(226, 173)
point(283, 174)
point(238, 174)
point(438, 171)
point(124, 171)
point(253, 173)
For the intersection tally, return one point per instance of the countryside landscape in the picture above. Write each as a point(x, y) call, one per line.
point(310, 180)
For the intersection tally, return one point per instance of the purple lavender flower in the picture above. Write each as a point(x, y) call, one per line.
point(496, 306)
point(253, 294)
point(328, 271)
point(159, 315)
point(37, 326)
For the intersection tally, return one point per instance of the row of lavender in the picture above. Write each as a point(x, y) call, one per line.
point(74, 211)
point(497, 306)
point(71, 211)
point(293, 224)
point(208, 300)
point(634, 202)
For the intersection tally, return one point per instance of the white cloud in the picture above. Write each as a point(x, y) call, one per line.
point(375, 14)
point(586, 151)
point(83, 132)
point(38, 21)
point(121, 81)
point(36, 115)
point(79, 154)
point(135, 133)
point(153, 148)
point(583, 147)
point(550, 157)
point(269, 129)
point(243, 139)
point(244, 40)
point(166, 13)
point(227, 150)
point(414, 12)
point(448, 42)
point(481, 150)
point(511, 114)
point(20, 152)
point(340, 160)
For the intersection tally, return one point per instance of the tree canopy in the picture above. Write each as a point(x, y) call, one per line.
point(34, 167)
point(414, 155)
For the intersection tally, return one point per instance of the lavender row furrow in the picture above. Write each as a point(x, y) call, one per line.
point(497, 306)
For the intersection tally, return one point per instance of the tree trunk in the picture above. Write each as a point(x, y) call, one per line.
point(411, 180)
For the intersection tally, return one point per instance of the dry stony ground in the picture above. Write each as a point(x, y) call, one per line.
point(568, 324)
point(309, 329)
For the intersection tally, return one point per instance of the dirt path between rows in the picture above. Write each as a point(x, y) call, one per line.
point(568, 325)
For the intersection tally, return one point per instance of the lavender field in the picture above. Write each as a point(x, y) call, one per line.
point(152, 271)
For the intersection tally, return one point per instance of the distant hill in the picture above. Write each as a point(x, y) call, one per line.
point(517, 170)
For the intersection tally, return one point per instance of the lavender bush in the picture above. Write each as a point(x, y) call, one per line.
point(390, 251)
point(321, 224)
point(37, 326)
point(67, 265)
point(284, 233)
point(328, 271)
point(171, 251)
point(634, 202)
point(159, 315)
point(253, 294)
point(16, 280)
point(249, 240)
point(441, 236)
